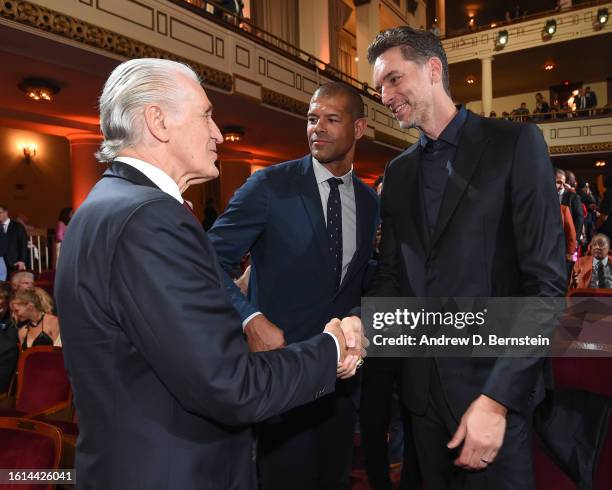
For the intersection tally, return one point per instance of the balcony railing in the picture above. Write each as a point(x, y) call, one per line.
point(230, 20)
point(522, 18)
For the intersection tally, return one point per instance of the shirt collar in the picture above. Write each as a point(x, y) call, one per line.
point(452, 132)
point(6, 223)
point(604, 261)
point(156, 175)
point(322, 173)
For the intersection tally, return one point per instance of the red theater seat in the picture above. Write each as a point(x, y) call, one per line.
point(31, 445)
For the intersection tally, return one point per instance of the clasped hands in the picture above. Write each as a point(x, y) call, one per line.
point(263, 335)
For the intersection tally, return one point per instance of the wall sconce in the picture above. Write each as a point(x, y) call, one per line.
point(29, 152)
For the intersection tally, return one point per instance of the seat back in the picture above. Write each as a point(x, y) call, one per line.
point(42, 382)
point(29, 444)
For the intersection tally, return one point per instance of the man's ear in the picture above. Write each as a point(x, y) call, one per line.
point(155, 120)
point(435, 69)
point(361, 125)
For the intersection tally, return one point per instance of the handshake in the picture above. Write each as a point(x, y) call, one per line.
point(263, 335)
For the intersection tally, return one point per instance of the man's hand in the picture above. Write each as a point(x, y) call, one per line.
point(482, 430)
point(350, 333)
point(20, 266)
point(263, 335)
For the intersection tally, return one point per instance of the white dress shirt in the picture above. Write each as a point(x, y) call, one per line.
point(160, 178)
point(349, 210)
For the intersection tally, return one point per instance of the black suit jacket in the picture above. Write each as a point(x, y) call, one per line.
point(498, 233)
point(163, 381)
point(14, 245)
point(574, 203)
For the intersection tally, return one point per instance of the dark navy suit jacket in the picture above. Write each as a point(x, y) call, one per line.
point(277, 216)
point(163, 381)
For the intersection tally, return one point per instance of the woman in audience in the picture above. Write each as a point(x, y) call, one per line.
point(41, 328)
point(60, 229)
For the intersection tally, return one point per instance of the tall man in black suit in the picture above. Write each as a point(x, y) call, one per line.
point(469, 210)
point(13, 242)
point(164, 385)
point(310, 226)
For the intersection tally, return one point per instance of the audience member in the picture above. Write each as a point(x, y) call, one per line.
point(8, 339)
point(570, 179)
point(580, 102)
point(13, 242)
point(541, 107)
point(591, 98)
point(521, 113)
point(570, 233)
point(492, 114)
point(569, 198)
point(508, 16)
point(591, 208)
point(563, 4)
point(22, 280)
point(60, 229)
point(434, 29)
point(595, 270)
point(62, 223)
point(605, 208)
point(41, 328)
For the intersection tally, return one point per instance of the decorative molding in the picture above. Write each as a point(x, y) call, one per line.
point(283, 102)
point(133, 18)
point(162, 23)
point(199, 39)
point(48, 20)
point(585, 148)
point(219, 47)
point(243, 57)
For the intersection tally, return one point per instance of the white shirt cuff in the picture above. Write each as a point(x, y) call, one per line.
point(248, 319)
point(337, 344)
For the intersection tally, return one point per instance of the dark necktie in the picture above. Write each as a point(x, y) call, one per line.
point(334, 226)
point(601, 276)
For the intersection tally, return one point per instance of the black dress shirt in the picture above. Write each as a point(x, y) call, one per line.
point(437, 164)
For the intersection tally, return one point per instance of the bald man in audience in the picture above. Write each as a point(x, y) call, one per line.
point(595, 270)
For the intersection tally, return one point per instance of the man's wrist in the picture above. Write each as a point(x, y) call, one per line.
point(249, 318)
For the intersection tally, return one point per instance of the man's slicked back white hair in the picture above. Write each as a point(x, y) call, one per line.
point(129, 88)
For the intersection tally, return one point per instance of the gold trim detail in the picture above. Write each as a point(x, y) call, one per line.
point(283, 102)
point(586, 148)
point(77, 30)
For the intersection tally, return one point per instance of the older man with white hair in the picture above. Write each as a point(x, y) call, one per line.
point(165, 387)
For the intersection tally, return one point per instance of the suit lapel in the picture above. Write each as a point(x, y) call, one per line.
point(364, 215)
point(311, 198)
point(414, 218)
point(469, 152)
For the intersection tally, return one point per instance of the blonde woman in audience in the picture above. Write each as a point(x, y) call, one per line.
point(41, 327)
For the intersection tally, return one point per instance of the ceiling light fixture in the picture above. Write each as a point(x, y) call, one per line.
point(549, 29)
point(549, 65)
point(470, 79)
point(39, 89)
point(600, 163)
point(232, 134)
point(602, 16)
point(501, 40)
